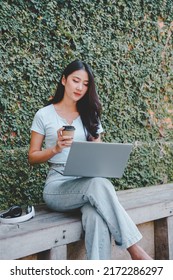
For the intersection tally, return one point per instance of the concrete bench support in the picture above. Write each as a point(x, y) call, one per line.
point(163, 229)
point(56, 253)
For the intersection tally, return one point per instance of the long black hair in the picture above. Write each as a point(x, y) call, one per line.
point(89, 106)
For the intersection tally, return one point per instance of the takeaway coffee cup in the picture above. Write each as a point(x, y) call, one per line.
point(68, 130)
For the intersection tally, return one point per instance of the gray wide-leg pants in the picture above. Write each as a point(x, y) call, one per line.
point(102, 214)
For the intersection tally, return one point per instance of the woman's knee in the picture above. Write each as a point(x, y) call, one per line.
point(100, 189)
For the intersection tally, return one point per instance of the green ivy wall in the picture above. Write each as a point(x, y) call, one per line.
point(129, 45)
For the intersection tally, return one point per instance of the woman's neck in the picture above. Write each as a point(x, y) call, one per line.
point(66, 105)
point(67, 110)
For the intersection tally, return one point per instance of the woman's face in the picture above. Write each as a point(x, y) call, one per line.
point(76, 85)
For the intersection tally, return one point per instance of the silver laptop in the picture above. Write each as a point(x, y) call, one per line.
point(91, 159)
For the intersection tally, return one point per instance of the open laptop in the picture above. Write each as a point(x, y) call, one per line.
point(91, 159)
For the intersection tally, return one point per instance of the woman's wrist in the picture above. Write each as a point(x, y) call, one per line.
point(56, 149)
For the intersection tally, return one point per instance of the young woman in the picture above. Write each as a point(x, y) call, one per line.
point(76, 103)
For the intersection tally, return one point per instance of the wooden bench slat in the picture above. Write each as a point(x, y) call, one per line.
point(147, 196)
point(149, 203)
point(54, 219)
point(21, 245)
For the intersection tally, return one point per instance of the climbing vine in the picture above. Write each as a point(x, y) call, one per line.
point(128, 44)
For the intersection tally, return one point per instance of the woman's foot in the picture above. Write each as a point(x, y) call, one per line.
point(137, 253)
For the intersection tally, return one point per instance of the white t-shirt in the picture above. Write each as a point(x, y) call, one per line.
point(47, 121)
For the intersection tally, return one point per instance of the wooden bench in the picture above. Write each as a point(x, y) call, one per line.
point(52, 235)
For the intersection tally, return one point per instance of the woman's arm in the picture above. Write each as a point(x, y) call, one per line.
point(38, 155)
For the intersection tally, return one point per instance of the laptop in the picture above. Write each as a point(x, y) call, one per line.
point(97, 159)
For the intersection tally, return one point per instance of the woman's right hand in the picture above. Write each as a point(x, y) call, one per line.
point(63, 141)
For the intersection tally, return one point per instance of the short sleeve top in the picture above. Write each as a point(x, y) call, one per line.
point(47, 121)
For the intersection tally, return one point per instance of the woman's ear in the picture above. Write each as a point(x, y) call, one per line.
point(63, 80)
